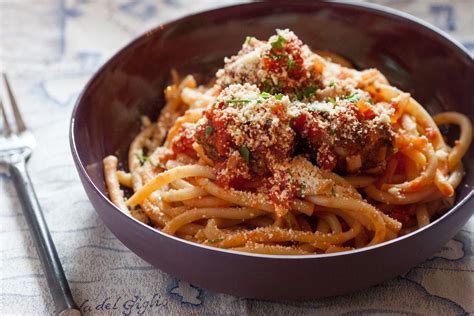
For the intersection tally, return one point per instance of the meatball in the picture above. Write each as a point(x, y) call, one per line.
point(349, 135)
point(280, 65)
point(246, 132)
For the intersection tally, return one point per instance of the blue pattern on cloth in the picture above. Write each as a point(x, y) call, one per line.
point(50, 49)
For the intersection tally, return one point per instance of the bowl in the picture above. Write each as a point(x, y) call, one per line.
point(415, 56)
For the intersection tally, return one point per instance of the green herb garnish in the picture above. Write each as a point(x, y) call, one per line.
point(309, 91)
point(142, 158)
point(331, 83)
point(213, 241)
point(292, 122)
point(279, 96)
point(238, 101)
point(209, 130)
point(333, 191)
point(370, 100)
point(265, 95)
point(278, 56)
point(249, 39)
point(267, 86)
point(331, 100)
point(278, 44)
point(291, 64)
point(299, 94)
point(353, 98)
point(332, 131)
point(245, 153)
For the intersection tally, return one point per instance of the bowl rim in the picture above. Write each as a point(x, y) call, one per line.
point(379, 9)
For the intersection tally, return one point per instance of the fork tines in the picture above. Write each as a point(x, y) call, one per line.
point(7, 127)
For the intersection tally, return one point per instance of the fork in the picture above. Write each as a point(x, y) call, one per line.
point(16, 148)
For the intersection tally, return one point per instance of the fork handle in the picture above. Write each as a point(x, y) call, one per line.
point(54, 272)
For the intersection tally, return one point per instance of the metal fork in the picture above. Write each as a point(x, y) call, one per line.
point(16, 147)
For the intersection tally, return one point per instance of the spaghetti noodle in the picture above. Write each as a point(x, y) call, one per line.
point(288, 152)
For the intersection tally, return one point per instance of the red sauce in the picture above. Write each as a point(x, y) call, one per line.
point(280, 182)
point(286, 66)
point(221, 139)
point(402, 162)
point(326, 158)
point(366, 110)
point(409, 141)
point(216, 133)
point(299, 123)
point(242, 184)
point(431, 134)
point(311, 130)
point(288, 58)
point(404, 214)
point(183, 143)
point(306, 127)
point(277, 185)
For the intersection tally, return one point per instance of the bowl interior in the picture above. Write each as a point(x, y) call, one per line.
point(437, 72)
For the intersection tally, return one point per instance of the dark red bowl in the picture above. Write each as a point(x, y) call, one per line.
point(415, 56)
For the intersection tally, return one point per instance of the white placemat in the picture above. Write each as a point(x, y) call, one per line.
point(50, 48)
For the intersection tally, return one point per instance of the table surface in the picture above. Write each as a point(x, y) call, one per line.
point(50, 48)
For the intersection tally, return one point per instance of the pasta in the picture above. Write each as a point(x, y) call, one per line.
point(289, 152)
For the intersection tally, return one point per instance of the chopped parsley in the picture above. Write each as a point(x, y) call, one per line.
point(370, 100)
point(142, 158)
point(278, 43)
point(270, 87)
point(309, 91)
point(291, 63)
point(279, 96)
point(306, 93)
point(278, 56)
point(238, 101)
point(209, 130)
point(249, 39)
point(353, 98)
point(333, 191)
point(265, 95)
point(331, 100)
point(213, 241)
point(331, 83)
point(245, 153)
point(292, 121)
